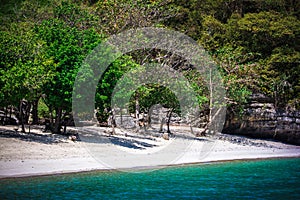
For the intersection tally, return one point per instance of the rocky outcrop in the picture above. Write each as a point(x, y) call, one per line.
point(262, 120)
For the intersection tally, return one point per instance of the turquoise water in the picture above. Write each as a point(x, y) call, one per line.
point(264, 179)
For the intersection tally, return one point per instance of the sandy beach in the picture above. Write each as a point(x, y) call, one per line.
point(39, 153)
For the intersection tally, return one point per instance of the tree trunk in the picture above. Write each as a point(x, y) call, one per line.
point(26, 114)
point(143, 122)
point(162, 119)
point(22, 117)
point(137, 111)
point(65, 128)
point(169, 114)
point(121, 116)
point(57, 124)
point(149, 118)
point(35, 117)
point(161, 124)
point(10, 111)
point(113, 121)
point(51, 117)
point(5, 116)
point(210, 96)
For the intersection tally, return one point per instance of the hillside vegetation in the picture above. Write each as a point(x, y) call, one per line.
point(43, 44)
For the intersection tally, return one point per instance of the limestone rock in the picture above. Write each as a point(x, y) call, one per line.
point(262, 120)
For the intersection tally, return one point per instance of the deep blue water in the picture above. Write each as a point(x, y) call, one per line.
point(264, 179)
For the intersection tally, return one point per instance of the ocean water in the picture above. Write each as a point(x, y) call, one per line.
point(263, 179)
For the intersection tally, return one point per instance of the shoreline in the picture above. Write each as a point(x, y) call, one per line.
point(145, 169)
point(43, 154)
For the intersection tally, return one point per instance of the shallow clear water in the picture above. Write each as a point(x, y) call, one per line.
point(264, 179)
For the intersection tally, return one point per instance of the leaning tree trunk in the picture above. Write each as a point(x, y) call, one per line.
point(169, 115)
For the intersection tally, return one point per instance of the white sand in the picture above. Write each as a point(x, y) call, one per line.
point(28, 157)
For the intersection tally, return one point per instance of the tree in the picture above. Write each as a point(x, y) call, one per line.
point(264, 31)
point(68, 46)
point(25, 69)
point(107, 84)
point(157, 94)
point(119, 15)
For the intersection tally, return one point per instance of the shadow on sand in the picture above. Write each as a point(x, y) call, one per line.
point(33, 137)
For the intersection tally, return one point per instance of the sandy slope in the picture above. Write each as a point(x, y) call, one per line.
point(43, 153)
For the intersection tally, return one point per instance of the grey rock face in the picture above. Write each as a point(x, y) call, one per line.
point(262, 120)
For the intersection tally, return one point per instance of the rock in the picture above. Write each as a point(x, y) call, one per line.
point(166, 136)
point(262, 120)
point(73, 138)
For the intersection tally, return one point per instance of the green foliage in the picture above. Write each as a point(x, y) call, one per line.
point(75, 15)
point(68, 46)
point(280, 76)
point(108, 82)
point(116, 16)
point(239, 73)
point(257, 52)
point(24, 66)
point(43, 110)
point(43, 44)
point(199, 87)
point(262, 32)
point(152, 94)
point(212, 35)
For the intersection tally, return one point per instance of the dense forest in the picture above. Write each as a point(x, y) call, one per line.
point(43, 44)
